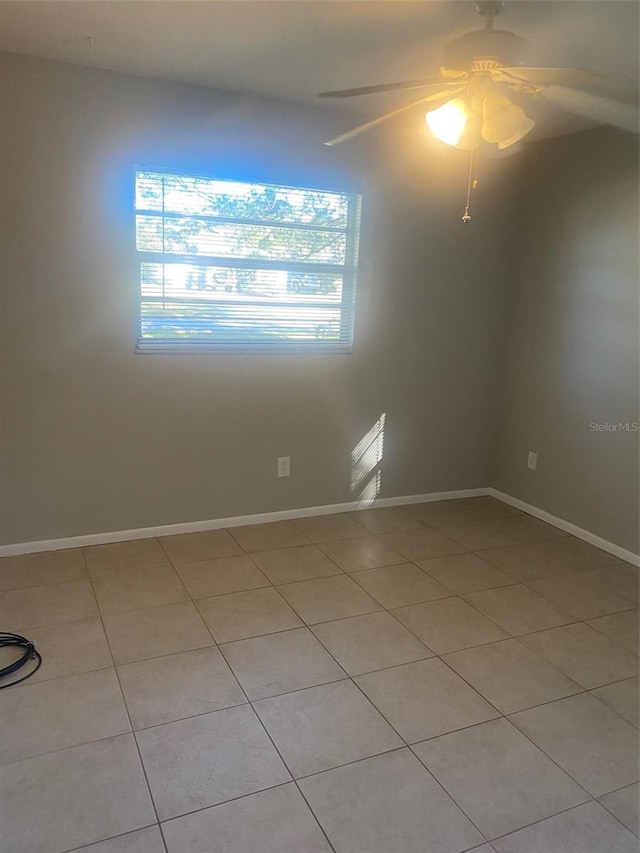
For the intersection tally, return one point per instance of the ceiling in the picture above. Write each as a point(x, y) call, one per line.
point(292, 50)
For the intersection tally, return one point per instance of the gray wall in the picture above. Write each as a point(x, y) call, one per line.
point(95, 438)
point(572, 354)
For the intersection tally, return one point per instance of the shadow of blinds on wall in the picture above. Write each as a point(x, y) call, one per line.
point(233, 266)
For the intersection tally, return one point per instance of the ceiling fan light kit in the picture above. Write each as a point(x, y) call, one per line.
point(448, 121)
point(470, 108)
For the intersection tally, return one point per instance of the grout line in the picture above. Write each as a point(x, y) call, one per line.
point(289, 771)
point(541, 820)
point(605, 806)
point(309, 627)
point(115, 838)
point(406, 745)
point(261, 723)
point(45, 583)
point(315, 817)
point(616, 790)
point(506, 717)
point(126, 707)
point(565, 811)
point(366, 698)
point(223, 803)
point(346, 677)
point(438, 782)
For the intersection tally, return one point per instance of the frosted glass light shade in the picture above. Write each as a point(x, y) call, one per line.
point(503, 123)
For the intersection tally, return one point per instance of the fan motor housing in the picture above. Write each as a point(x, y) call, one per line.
point(481, 50)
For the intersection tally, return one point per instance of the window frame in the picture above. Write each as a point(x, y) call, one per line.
point(348, 271)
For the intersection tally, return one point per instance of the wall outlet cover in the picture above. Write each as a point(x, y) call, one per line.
point(284, 466)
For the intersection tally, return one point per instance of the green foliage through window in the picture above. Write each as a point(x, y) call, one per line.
point(233, 265)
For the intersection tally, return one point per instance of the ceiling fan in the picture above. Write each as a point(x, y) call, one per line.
point(476, 102)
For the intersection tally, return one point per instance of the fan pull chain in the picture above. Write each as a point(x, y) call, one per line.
point(472, 183)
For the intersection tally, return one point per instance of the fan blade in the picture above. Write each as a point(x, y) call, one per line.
point(440, 96)
point(387, 87)
point(574, 78)
point(595, 107)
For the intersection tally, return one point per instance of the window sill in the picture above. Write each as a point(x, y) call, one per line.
point(241, 349)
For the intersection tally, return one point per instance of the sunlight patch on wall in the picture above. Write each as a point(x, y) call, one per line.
point(366, 456)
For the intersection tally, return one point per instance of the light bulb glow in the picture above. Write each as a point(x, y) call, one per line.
point(448, 121)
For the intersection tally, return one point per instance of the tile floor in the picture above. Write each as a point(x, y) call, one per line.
point(435, 678)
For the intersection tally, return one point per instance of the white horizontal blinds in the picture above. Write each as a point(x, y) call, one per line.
point(226, 264)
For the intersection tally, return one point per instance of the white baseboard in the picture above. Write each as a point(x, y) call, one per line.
point(287, 514)
point(234, 521)
point(568, 527)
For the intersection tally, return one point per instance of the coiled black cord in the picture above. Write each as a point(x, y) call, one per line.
point(30, 653)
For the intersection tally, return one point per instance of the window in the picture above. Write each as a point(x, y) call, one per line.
point(226, 265)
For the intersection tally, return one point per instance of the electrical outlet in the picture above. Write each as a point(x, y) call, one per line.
point(532, 460)
point(284, 466)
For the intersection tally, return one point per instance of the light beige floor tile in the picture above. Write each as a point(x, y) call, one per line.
point(592, 743)
point(58, 714)
point(481, 508)
point(581, 595)
point(387, 519)
point(156, 631)
point(583, 555)
point(267, 537)
point(138, 590)
point(511, 676)
point(170, 688)
point(583, 654)
point(240, 615)
point(146, 840)
point(622, 578)
point(322, 727)
point(499, 531)
point(440, 512)
point(273, 821)
point(424, 699)
point(279, 663)
point(324, 599)
point(205, 760)
point(449, 625)
point(68, 649)
point(625, 805)
point(42, 568)
point(221, 575)
point(395, 586)
point(366, 643)
point(422, 544)
point(205, 545)
point(51, 604)
point(287, 565)
point(622, 628)
point(498, 777)
point(365, 552)
point(530, 560)
point(485, 507)
point(69, 802)
point(586, 829)
point(518, 609)
point(622, 697)
point(324, 528)
point(464, 573)
point(388, 804)
point(116, 557)
point(549, 558)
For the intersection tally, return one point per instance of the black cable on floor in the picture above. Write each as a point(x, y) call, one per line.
point(30, 653)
